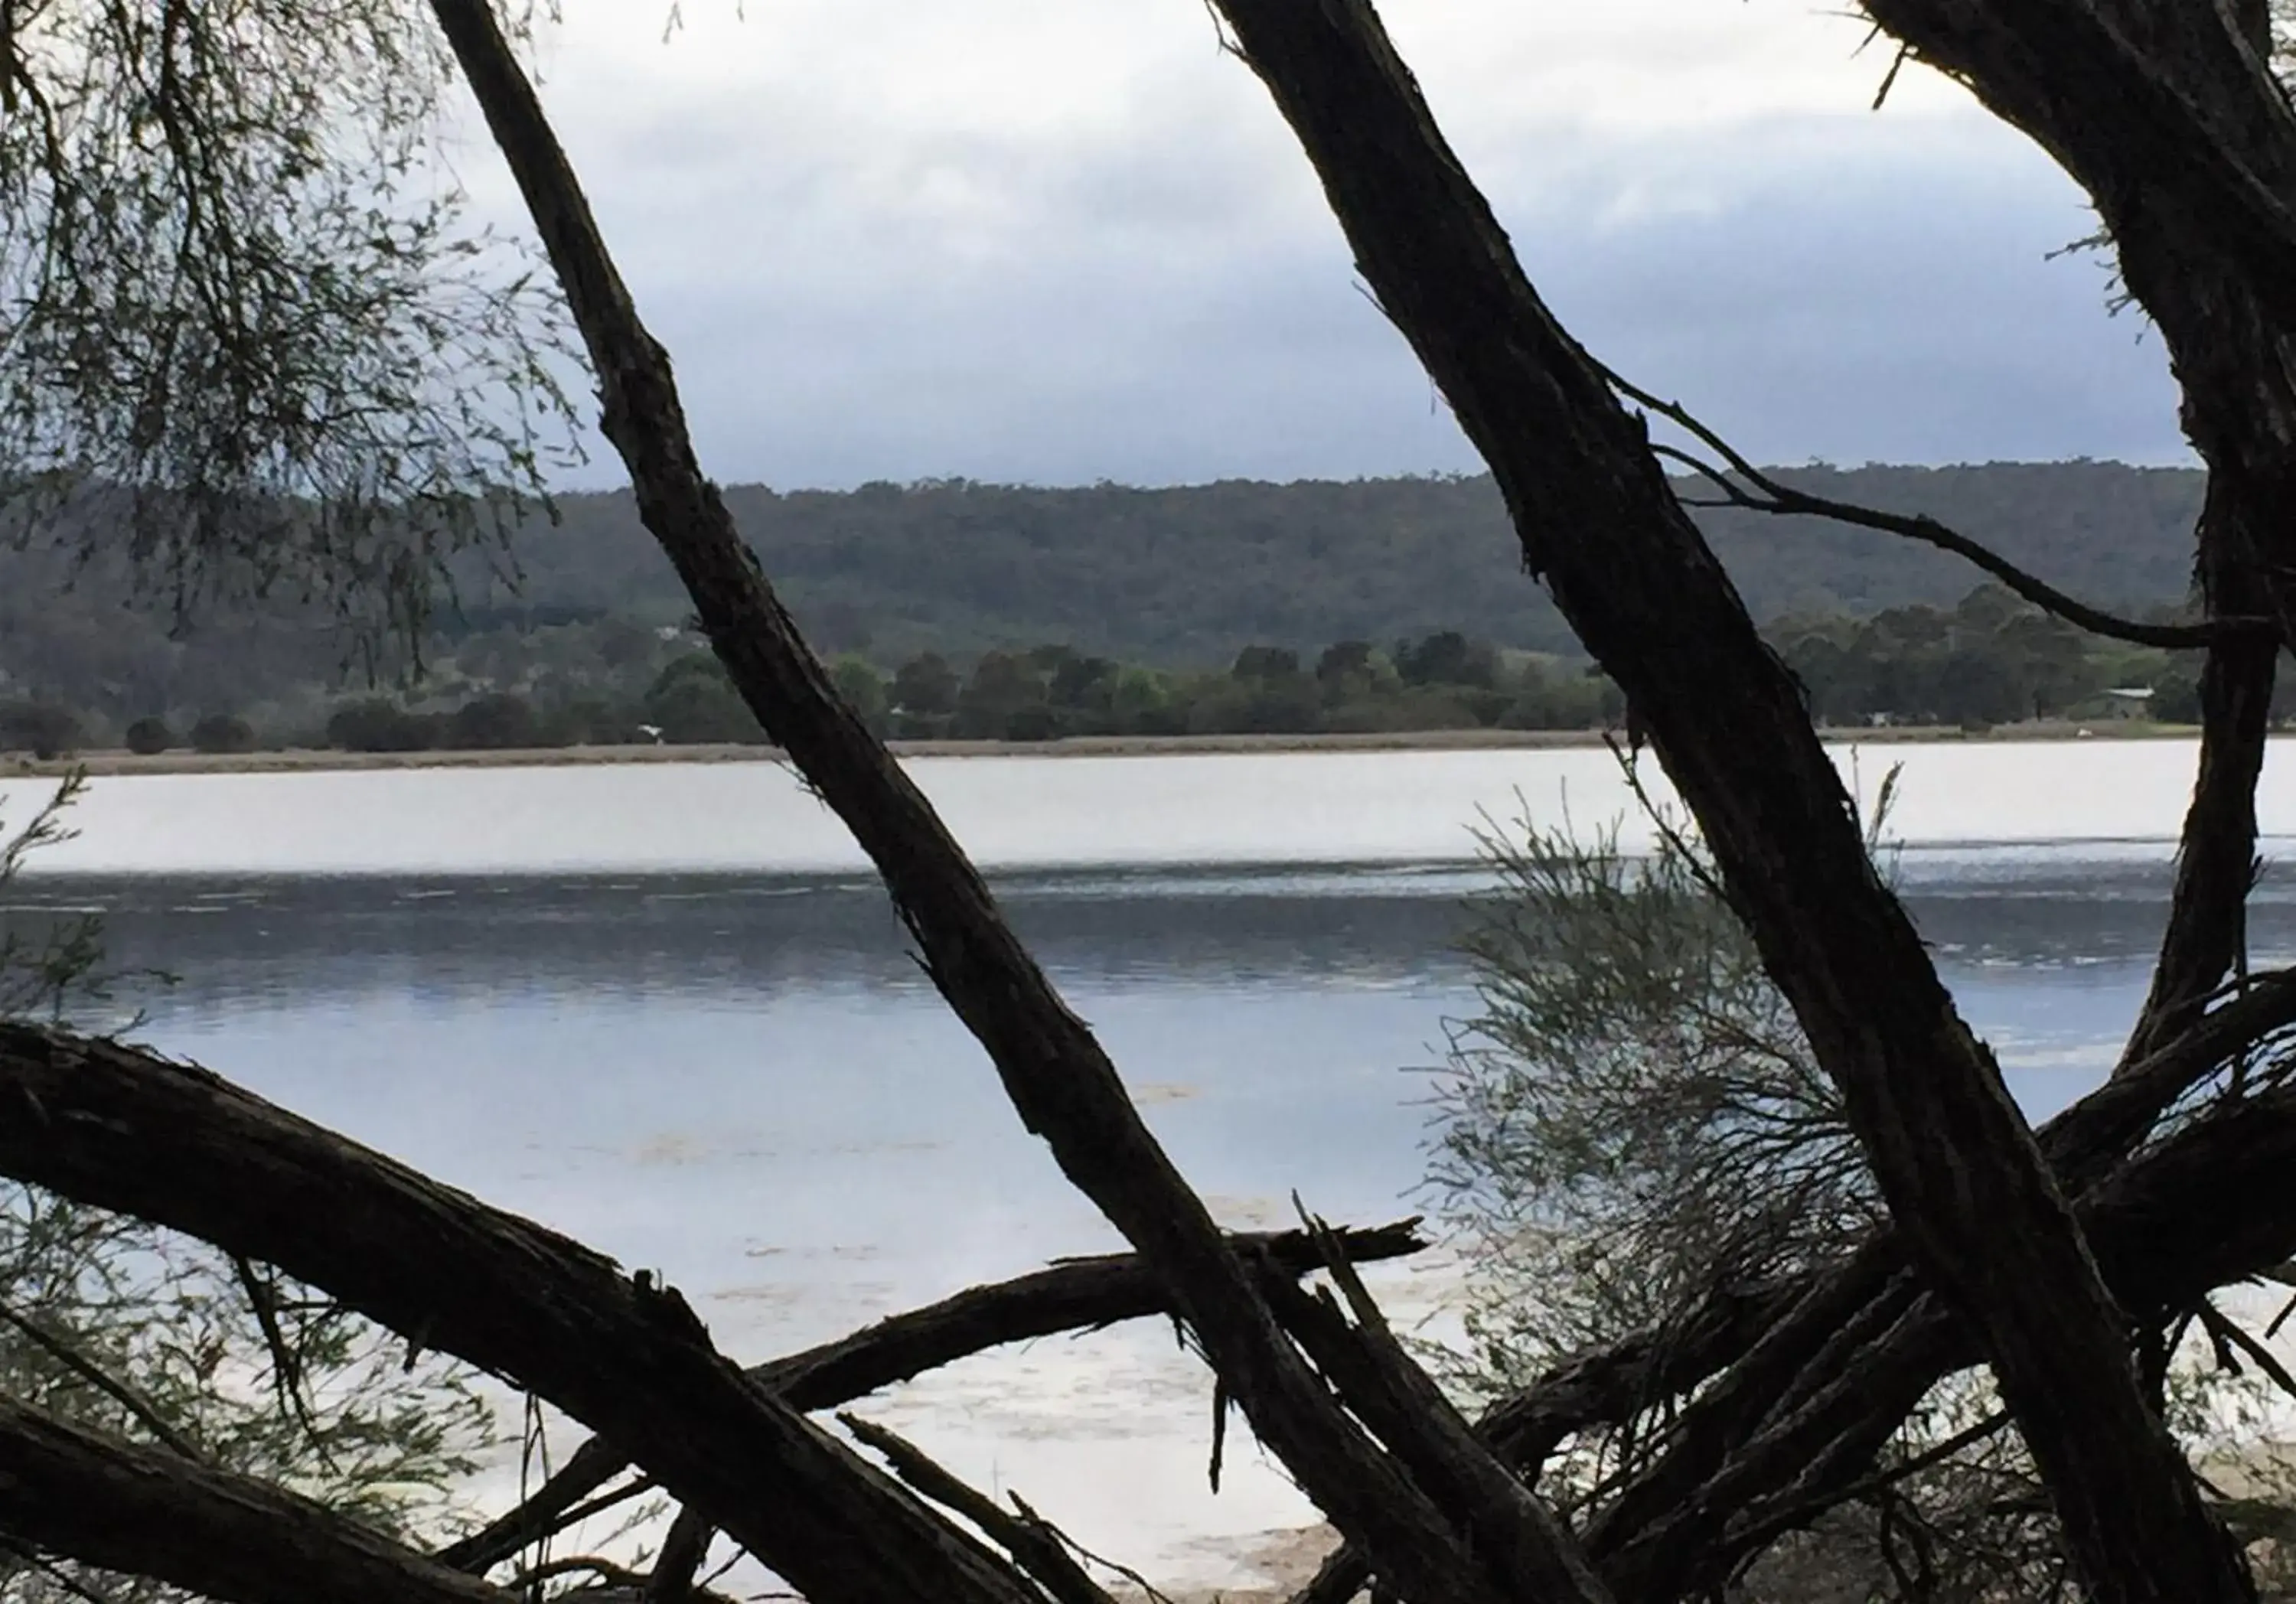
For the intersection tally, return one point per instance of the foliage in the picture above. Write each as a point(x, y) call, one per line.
point(379, 726)
point(691, 702)
point(148, 736)
point(1632, 1114)
point(1633, 1118)
point(497, 721)
point(1167, 579)
point(41, 728)
point(253, 343)
point(1989, 660)
point(116, 1324)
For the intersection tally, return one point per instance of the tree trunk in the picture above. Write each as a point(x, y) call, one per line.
point(1054, 1070)
point(1964, 1179)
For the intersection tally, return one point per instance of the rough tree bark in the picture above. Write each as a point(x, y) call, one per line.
point(2196, 189)
point(145, 1511)
point(1054, 1070)
point(2172, 1223)
point(1964, 1181)
point(120, 1129)
point(2169, 117)
point(2224, 318)
point(1076, 1295)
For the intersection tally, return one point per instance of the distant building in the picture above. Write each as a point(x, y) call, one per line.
point(2129, 702)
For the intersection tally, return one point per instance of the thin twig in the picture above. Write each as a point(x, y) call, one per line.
point(1034, 1544)
point(2226, 1331)
point(286, 1367)
point(110, 1386)
point(1771, 495)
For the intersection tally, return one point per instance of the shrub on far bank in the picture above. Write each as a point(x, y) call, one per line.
point(44, 729)
point(499, 721)
point(149, 737)
point(222, 732)
point(379, 726)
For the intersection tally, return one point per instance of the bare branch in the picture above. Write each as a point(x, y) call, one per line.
point(1033, 1547)
point(1054, 1071)
point(122, 1506)
point(118, 1129)
point(1753, 490)
point(1965, 1184)
point(1076, 1295)
point(683, 1551)
point(2207, 930)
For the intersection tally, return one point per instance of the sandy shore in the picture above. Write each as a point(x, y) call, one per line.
point(103, 763)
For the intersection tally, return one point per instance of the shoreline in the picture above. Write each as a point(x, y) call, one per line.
point(114, 763)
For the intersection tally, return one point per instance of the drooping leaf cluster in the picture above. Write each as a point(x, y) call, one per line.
point(251, 340)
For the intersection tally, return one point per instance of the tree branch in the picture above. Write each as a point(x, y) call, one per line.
point(2173, 1223)
point(1770, 494)
point(1076, 1295)
point(1964, 1181)
point(2207, 931)
point(1033, 1547)
point(1053, 1068)
point(118, 1128)
point(145, 1511)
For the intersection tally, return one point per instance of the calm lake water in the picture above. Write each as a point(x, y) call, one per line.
point(660, 1007)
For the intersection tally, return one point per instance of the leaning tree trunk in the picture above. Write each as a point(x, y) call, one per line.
point(1965, 1184)
point(1442, 1516)
point(2218, 288)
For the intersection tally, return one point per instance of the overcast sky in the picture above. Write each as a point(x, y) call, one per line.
point(1065, 241)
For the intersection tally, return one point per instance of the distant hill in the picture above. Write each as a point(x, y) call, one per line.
point(1172, 577)
point(1189, 575)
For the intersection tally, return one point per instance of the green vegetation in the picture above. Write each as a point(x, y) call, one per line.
point(1173, 583)
point(1989, 660)
point(111, 1322)
point(1632, 1121)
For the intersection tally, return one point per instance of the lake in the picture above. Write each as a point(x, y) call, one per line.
point(664, 1009)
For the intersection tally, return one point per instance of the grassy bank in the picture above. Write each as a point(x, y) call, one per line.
point(105, 763)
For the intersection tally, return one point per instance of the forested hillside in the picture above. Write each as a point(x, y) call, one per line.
point(1167, 577)
point(1190, 575)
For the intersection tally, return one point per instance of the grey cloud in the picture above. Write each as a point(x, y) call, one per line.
point(1179, 307)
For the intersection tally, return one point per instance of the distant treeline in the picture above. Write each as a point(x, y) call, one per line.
point(1991, 659)
point(1167, 579)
